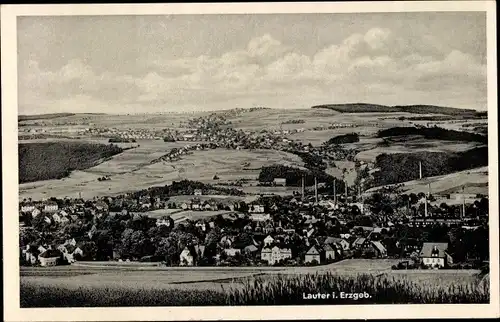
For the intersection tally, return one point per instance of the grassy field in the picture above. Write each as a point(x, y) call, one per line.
point(111, 286)
point(418, 145)
point(132, 171)
point(475, 181)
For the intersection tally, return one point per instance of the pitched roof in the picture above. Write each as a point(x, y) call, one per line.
point(251, 248)
point(50, 253)
point(428, 248)
point(379, 246)
point(359, 241)
point(328, 248)
point(312, 251)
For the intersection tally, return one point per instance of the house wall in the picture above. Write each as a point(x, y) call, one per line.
point(431, 261)
point(330, 254)
point(266, 257)
point(310, 258)
point(51, 261)
point(187, 258)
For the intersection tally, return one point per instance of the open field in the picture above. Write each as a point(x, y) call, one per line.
point(131, 171)
point(412, 146)
point(475, 181)
point(105, 285)
point(122, 121)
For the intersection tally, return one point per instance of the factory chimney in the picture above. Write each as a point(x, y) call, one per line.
point(316, 189)
point(420, 168)
point(303, 186)
point(334, 191)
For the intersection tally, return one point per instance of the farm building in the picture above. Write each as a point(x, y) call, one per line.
point(435, 255)
point(343, 243)
point(257, 209)
point(330, 253)
point(51, 207)
point(274, 255)
point(379, 248)
point(50, 257)
point(313, 254)
point(280, 181)
point(251, 249)
point(27, 207)
point(268, 240)
point(260, 217)
point(231, 252)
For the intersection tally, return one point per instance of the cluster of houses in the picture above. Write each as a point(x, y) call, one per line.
point(214, 131)
point(126, 134)
point(271, 223)
point(68, 252)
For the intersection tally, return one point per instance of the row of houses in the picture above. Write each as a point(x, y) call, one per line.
point(67, 252)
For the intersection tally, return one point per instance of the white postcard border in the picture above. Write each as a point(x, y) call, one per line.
point(10, 171)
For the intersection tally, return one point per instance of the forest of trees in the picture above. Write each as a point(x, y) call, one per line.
point(342, 139)
point(292, 175)
point(415, 109)
point(121, 140)
point(56, 160)
point(401, 167)
point(434, 133)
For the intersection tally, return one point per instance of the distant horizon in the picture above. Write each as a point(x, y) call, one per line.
point(246, 108)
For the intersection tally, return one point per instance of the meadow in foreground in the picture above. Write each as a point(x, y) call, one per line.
point(262, 290)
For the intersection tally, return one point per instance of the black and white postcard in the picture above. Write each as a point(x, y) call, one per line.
point(250, 161)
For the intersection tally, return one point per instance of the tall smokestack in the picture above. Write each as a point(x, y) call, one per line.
point(425, 213)
point(316, 189)
point(463, 202)
point(345, 185)
point(303, 186)
point(335, 191)
point(429, 192)
point(420, 168)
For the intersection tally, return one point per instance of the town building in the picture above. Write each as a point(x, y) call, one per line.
point(435, 255)
point(313, 255)
point(280, 181)
point(275, 254)
point(50, 257)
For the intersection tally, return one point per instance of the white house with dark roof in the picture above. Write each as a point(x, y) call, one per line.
point(275, 254)
point(313, 254)
point(51, 207)
point(435, 255)
point(268, 240)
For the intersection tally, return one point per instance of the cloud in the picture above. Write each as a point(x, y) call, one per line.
point(375, 66)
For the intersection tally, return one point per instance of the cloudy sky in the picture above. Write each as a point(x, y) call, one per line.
point(130, 64)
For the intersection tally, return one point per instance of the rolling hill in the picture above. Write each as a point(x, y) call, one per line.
point(414, 109)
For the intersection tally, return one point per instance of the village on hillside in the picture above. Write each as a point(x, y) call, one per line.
point(288, 231)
